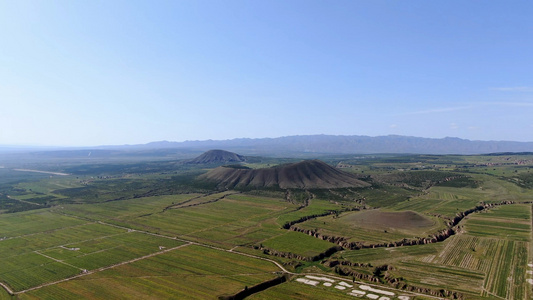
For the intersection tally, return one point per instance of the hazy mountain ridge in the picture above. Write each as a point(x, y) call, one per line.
point(343, 144)
point(324, 144)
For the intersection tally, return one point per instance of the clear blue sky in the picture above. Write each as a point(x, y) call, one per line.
point(83, 73)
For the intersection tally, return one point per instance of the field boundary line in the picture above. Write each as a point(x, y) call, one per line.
point(492, 294)
point(23, 201)
point(252, 256)
point(44, 172)
point(48, 231)
point(57, 260)
point(181, 205)
point(7, 288)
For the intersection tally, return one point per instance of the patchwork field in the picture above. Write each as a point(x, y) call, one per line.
point(488, 259)
point(31, 260)
point(190, 272)
point(463, 232)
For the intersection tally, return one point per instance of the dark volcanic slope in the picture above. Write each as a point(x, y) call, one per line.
point(217, 156)
point(305, 175)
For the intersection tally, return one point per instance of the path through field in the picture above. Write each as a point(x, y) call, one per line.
point(38, 171)
point(23, 201)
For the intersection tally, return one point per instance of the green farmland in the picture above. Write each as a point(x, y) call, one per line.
point(453, 231)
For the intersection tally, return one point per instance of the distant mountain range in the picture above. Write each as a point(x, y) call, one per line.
point(348, 144)
point(310, 145)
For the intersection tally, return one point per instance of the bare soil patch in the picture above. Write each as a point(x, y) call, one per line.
point(377, 219)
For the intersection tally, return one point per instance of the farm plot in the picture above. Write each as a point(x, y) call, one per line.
point(446, 201)
point(204, 199)
point(53, 238)
point(222, 223)
point(511, 222)
point(126, 208)
point(489, 259)
point(297, 243)
point(190, 272)
point(503, 263)
point(43, 270)
point(511, 226)
point(441, 277)
point(315, 207)
point(380, 256)
point(496, 250)
point(25, 223)
point(106, 251)
point(34, 259)
point(467, 252)
point(498, 229)
point(507, 275)
point(375, 226)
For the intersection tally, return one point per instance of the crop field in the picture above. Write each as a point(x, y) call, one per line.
point(162, 234)
point(380, 256)
point(507, 222)
point(33, 259)
point(297, 243)
point(375, 226)
point(501, 263)
point(315, 207)
point(124, 209)
point(26, 223)
point(440, 276)
point(187, 272)
point(491, 261)
point(443, 200)
point(224, 223)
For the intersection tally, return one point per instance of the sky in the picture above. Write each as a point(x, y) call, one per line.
point(88, 73)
